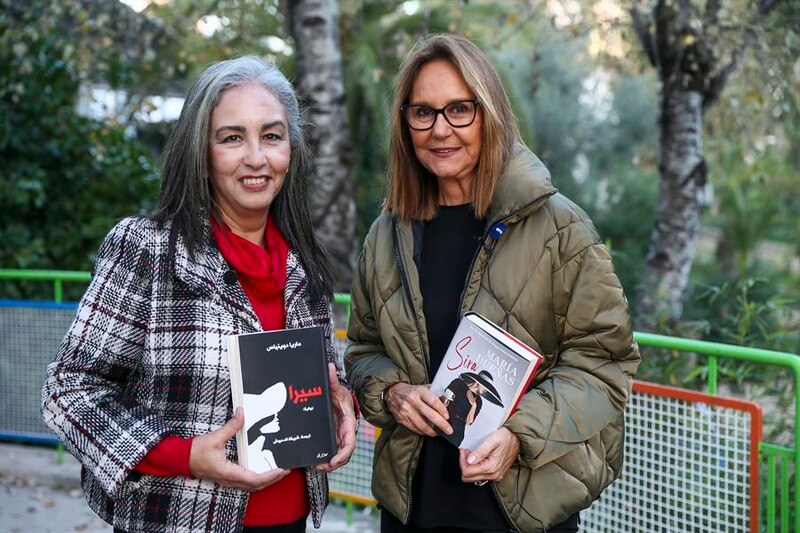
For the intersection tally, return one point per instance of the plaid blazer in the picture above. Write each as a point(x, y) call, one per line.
point(146, 357)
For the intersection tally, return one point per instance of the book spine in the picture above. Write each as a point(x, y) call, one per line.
point(237, 390)
point(522, 390)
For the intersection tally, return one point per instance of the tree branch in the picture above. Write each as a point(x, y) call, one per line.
point(532, 15)
point(646, 37)
point(718, 82)
point(765, 6)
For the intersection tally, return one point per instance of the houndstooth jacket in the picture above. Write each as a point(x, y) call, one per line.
point(146, 357)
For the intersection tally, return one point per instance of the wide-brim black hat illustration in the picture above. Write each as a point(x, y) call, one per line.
point(484, 378)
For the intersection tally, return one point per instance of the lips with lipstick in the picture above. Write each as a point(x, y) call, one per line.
point(444, 151)
point(255, 182)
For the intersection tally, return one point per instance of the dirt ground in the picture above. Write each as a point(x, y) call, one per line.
point(39, 494)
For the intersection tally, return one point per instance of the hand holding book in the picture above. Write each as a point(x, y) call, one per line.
point(491, 460)
point(417, 408)
point(345, 420)
point(207, 460)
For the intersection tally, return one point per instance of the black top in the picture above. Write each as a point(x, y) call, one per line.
point(439, 497)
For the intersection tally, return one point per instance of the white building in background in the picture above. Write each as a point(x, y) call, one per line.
point(101, 102)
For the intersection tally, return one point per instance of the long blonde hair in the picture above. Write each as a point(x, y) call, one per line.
point(413, 190)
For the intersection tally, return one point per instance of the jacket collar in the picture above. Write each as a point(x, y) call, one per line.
point(522, 188)
point(206, 269)
point(204, 274)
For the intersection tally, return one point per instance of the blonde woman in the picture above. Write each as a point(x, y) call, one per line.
point(473, 222)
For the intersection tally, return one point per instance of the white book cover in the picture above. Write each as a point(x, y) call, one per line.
point(481, 379)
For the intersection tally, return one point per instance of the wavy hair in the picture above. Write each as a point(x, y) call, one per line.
point(186, 199)
point(413, 189)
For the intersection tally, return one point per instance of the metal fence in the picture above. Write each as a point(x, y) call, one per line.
point(30, 333)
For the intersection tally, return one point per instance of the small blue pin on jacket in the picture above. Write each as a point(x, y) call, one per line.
point(497, 231)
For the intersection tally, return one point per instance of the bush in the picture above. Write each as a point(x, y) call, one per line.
point(64, 179)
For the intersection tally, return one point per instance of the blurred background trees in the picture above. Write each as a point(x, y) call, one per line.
point(588, 99)
point(65, 177)
point(696, 48)
point(315, 31)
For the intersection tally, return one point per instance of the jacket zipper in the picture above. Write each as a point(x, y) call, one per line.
point(407, 289)
point(502, 508)
point(461, 304)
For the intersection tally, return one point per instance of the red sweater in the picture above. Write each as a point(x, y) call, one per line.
point(262, 275)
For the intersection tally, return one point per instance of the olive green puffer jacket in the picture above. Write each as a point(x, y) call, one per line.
point(550, 282)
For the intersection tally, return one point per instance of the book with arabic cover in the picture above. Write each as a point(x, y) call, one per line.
point(482, 378)
point(280, 378)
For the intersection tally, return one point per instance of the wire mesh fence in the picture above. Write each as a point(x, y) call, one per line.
point(691, 460)
point(691, 464)
point(30, 333)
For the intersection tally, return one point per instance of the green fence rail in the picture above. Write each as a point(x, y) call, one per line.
point(782, 478)
point(57, 277)
point(770, 453)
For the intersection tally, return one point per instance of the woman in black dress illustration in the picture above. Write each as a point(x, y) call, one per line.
point(463, 398)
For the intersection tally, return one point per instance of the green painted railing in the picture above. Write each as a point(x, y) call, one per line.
point(777, 458)
point(58, 277)
point(771, 453)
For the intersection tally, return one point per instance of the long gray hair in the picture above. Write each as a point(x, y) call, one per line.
point(186, 191)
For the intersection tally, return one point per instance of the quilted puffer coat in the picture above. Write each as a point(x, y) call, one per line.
point(146, 357)
point(548, 280)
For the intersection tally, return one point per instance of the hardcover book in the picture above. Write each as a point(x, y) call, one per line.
point(482, 378)
point(280, 378)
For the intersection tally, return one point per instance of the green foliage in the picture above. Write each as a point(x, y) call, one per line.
point(755, 195)
point(204, 31)
point(748, 312)
point(594, 128)
point(376, 36)
point(64, 179)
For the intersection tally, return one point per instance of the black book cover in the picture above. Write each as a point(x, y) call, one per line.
point(280, 378)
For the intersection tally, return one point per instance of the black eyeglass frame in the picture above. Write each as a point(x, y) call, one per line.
point(440, 111)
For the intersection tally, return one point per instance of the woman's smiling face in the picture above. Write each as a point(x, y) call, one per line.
point(249, 152)
point(448, 153)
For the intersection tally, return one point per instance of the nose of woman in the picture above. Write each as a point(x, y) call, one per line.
point(255, 155)
point(441, 128)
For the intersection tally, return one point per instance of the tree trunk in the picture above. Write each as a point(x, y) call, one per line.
point(314, 25)
point(682, 177)
point(682, 41)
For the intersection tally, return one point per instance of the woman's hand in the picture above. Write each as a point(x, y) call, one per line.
point(208, 461)
point(344, 416)
point(492, 459)
point(417, 408)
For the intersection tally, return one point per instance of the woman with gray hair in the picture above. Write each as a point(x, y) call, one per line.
point(139, 391)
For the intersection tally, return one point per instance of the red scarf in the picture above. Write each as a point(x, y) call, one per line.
point(261, 271)
point(262, 274)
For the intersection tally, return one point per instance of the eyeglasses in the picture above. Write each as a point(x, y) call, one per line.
point(458, 114)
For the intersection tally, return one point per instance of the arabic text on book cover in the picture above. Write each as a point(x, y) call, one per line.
point(280, 378)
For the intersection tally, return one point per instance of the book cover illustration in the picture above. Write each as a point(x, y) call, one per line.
point(280, 378)
point(481, 379)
